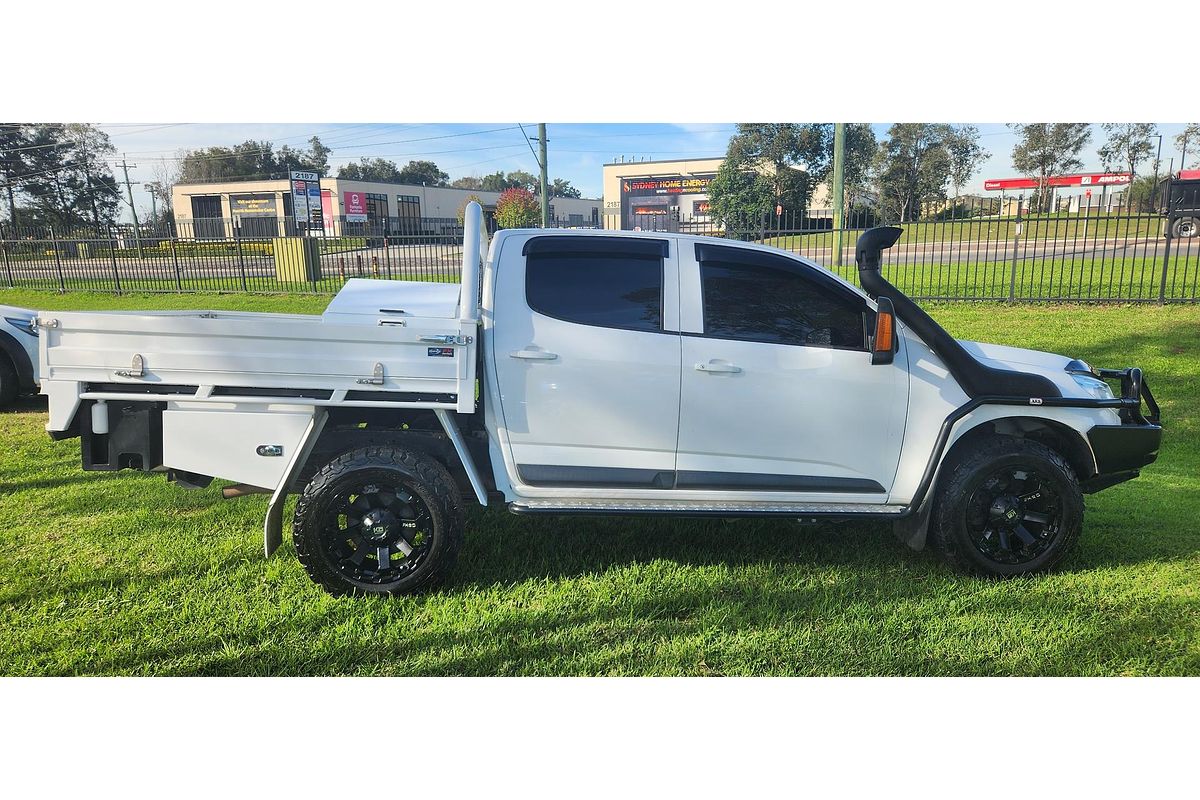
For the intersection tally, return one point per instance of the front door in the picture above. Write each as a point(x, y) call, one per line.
point(778, 390)
point(587, 370)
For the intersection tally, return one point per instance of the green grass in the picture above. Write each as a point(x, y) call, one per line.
point(125, 574)
point(1098, 228)
point(1081, 278)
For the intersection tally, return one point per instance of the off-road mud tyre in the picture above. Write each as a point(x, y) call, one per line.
point(346, 506)
point(981, 490)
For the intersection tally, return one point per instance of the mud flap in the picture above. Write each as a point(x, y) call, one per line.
point(273, 524)
point(912, 529)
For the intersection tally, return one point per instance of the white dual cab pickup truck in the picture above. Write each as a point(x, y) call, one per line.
point(602, 372)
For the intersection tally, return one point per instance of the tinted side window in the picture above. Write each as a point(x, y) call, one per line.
point(779, 306)
point(612, 291)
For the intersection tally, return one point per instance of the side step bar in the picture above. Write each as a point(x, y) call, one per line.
point(703, 508)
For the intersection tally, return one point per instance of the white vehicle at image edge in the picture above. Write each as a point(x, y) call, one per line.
point(18, 353)
point(603, 372)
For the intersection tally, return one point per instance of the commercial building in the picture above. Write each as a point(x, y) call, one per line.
point(672, 194)
point(265, 207)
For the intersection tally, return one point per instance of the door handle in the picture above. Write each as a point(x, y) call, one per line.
point(533, 355)
point(717, 366)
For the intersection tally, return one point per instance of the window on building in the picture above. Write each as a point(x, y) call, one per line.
point(608, 289)
point(777, 304)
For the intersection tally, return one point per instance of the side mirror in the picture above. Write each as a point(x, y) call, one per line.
point(884, 343)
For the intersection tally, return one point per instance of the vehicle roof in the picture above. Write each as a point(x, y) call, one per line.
point(679, 237)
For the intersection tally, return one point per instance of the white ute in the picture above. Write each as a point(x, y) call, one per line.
point(602, 372)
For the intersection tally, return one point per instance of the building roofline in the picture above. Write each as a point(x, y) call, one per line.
point(201, 184)
point(663, 161)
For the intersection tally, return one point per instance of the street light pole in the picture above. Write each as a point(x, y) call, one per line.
point(544, 174)
point(839, 196)
point(1157, 159)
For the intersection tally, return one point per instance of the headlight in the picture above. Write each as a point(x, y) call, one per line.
point(1093, 386)
point(23, 325)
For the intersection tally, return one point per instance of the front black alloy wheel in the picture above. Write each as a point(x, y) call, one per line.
point(1007, 506)
point(379, 520)
point(1014, 515)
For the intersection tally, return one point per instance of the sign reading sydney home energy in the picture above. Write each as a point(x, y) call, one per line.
point(644, 199)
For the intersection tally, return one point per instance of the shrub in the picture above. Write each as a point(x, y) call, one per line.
point(462, 207)
point(517, 208)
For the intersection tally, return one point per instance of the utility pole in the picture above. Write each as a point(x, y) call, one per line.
point(543, 181)
point(152, 188)
point(839, 198)
point(1157, 162)
point(137, 236)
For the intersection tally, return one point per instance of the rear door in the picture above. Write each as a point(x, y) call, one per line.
point(586, 349)
point(778, 390)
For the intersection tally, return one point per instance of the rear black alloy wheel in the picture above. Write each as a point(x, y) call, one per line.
point(1006, 506)
point(379, 520)
point(374, 532)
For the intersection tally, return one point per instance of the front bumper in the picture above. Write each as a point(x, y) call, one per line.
point(1122, 450)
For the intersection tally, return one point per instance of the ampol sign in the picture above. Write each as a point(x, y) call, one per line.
point(1091, 179)
point(355, 206)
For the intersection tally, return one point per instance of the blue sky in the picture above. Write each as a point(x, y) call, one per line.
point(577, 151)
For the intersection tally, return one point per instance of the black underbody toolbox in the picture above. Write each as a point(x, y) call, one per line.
point(133, 441)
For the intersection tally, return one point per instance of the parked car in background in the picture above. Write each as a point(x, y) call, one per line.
point(1180, 202)
point(18, 353)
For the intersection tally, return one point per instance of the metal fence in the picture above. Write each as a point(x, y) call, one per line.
point(976, 250)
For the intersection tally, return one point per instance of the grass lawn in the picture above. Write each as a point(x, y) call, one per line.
point(125, 574)
point(1092, 227)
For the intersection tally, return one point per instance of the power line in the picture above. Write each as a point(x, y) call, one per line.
point(263, 151)
point(152, 128)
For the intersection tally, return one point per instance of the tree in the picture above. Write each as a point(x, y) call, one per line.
point(462, 207)
point(1044, 149)
point(517, 208)
point(1141, 193)
point(14, 141)
point(792, 157)
point(913, 166)
point(1189, 136)
point(494, 182)
point(1128, 144)
point(739, 197)
point(563, 188)
point(69, 182)
point(467, 182)
point(314, 159)
point(89, 146)
point(422, 172)
point(371, 169)
point(166, 175)
point(860, 150)
point(318, 155)
point(250, 159)
point(966, 155)
point(520, 179)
